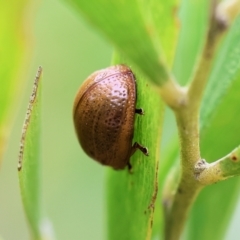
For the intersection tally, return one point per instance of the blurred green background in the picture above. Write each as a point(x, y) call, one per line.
point(73, 187)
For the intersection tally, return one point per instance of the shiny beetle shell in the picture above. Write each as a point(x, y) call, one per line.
point(103, 113)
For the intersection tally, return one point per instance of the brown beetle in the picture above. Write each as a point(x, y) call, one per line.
point(103, 114)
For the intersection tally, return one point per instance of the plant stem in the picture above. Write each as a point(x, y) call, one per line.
point(173, 94)
point(224, 168)
point(215, 34)
point(188, 188)
point(187, 116)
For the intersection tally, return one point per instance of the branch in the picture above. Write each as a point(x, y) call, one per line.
point(173, 94)
point(218, 26)
point(224, 168)
point(187, 115)
point(222, 17)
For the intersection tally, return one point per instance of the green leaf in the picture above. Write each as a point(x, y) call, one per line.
point(225, 72)
point(12, 45)
point(137, 28)
point(194, 18)
point(131, 196)
point(29, 160)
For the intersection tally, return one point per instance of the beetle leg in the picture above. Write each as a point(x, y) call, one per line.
point(139, 111)
point(143, 149)
point(135, 147)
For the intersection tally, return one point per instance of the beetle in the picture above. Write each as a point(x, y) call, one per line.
point(103, 114)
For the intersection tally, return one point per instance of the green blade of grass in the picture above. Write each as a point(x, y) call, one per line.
point(29, 161)
point(132, 196)
point(137, 28)
point(12, 45)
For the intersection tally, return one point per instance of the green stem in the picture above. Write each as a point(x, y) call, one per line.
point(173, 94)
point(187, 116)
point(188, 188)
point(224, 168)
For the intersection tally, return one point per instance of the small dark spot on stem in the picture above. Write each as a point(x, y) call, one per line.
point(234, 158)
point(180, 191)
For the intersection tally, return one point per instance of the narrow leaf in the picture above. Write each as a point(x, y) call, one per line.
point(225, 71)
point(162, 19)
point(29, 160)
point(137, 28)
point(132, 196)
